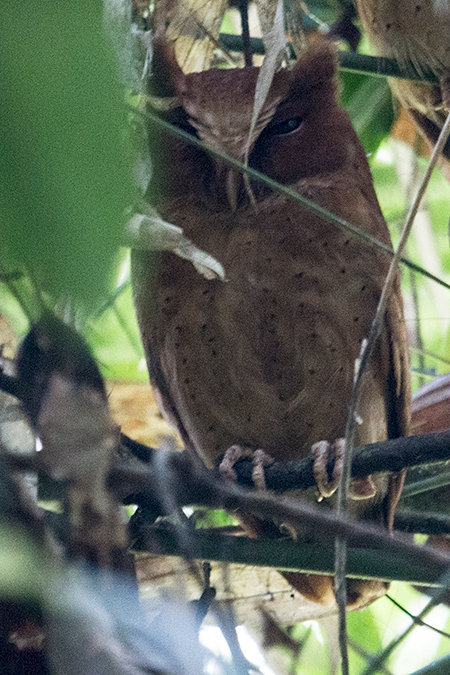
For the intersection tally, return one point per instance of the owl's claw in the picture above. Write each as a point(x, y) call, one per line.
point(260, 459)
point(320, 452)
point(226, 466)
point(360, 488)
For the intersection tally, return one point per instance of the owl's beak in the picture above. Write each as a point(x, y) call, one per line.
point(232, 184)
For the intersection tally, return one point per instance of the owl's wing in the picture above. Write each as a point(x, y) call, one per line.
point(398, 395)
point(430, 129)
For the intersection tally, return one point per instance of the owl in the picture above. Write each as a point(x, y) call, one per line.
point(266, 359)
point(416, 32)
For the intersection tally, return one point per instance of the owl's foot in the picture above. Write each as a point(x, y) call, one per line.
point(260, 460)
point(360, 488)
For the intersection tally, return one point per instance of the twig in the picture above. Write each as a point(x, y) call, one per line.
point(246, 47)
point(381, 657)
point(422, 523)
point(427, 484)
point(378, 66)
point(287, 554)
point(375, 330)
point(417, 621)
point(392, 455)
point(365, 654)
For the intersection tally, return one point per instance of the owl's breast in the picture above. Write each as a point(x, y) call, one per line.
point(265, 359)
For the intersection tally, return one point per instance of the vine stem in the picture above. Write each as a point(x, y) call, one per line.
point(352, 420)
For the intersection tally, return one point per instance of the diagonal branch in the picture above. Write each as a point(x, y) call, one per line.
point(290, 556)
point(366, 355)
point(200, 486)
point(379, 66)
point(385, 456)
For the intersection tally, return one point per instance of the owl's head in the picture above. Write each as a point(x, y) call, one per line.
point(301, 131)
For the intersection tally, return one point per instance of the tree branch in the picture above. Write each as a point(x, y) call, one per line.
point(422, 523)
point(392, 456)
point(291, 556)
point(200, 486)
point(379, 66)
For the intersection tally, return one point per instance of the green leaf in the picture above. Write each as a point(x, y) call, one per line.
point(115, 339)
point(368, 101)
point(64, 177)
point(364, 629)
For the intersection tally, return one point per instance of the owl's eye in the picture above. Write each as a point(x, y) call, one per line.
point(286, 127)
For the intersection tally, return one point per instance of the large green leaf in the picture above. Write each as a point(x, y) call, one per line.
point(368, 101)
point(64, 179)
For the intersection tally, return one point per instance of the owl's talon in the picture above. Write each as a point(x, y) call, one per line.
point(360, 488)
point(260, 459)
point(320, 452)
point(226, 466)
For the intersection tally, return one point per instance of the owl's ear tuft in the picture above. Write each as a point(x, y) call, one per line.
point(317, 66)
point(167, 78)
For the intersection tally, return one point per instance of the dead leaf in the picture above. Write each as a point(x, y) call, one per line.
point(134, 409)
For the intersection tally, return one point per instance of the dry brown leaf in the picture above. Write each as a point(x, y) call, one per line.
point(8, 339)
point(194, 26)
point(134, 409)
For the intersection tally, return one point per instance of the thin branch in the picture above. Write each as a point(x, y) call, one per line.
point(422, 523)
point(432, 355)
point(385, 456)
point(381, 657)
point(286, 555)
point(246, 47)
point(378, 66)
point(365, 655)
point(427, 484)
point(352, 422)
point(416, 619)
point(111, 299)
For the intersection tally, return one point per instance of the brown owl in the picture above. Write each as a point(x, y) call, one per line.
point(266, 360)
point(417, 32)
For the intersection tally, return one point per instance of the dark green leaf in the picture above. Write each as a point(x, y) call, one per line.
point(368, 101)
